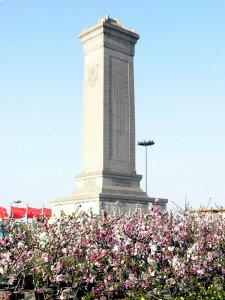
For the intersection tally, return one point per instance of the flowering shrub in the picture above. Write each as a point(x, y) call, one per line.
point(214, 292)
point(116, 256)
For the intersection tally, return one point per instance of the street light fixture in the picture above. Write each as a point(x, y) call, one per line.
point(146, 144)
point(17, 202)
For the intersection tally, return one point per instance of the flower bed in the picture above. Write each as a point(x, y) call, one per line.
point(115, 257)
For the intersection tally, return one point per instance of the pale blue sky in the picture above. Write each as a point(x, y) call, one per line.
point(179, 93)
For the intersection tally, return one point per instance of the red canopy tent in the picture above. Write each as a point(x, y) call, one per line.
point(18, 212)
point(3, 213)
point(47, 212)
point(33, 212)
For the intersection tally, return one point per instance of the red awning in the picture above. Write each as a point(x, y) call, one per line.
point(3, 212)
point(18, 212)
point(33, 212)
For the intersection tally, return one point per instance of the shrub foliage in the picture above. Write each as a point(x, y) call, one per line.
point(113, 256)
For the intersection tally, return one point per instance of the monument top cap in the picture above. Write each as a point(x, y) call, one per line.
point(115, 22)
point(111, 23)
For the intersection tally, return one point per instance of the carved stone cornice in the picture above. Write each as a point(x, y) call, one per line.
point(109, 33)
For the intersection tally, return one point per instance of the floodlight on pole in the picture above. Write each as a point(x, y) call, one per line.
point(17, 202)
point(146, 144)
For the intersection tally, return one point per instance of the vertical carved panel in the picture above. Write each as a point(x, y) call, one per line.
point(119, 110)
point(92, 74)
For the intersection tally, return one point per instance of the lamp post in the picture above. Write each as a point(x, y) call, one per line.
point(17, 202)
point(146, 144)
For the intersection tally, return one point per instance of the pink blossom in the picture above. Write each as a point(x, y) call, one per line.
point(201, 272)
point(45, 257)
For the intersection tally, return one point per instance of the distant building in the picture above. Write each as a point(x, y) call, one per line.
point(220, 211)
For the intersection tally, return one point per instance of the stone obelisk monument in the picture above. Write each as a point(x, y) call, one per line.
point(108, 178)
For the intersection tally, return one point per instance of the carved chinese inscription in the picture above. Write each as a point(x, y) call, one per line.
point(121, 182)
point(93, 74)
point(119, 109)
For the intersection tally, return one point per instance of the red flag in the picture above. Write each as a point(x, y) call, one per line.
point(33, 212)
point(47, 212)
point(18, 212)
point(3, 212)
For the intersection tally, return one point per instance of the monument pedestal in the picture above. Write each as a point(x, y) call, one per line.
point(108, 175)
point(115, 193)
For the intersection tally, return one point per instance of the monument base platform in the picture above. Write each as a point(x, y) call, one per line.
point(110, 191)
point(112, 203)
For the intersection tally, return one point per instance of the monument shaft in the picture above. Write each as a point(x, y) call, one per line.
point(108, 98)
